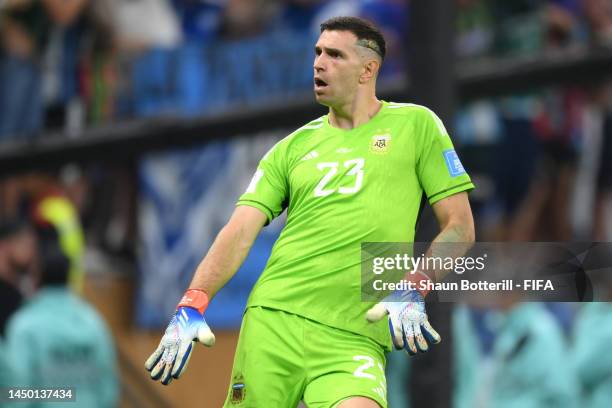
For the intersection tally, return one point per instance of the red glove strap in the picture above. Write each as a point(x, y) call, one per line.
point(195, 298)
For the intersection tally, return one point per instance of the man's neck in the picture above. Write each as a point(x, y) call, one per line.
point(354, 114)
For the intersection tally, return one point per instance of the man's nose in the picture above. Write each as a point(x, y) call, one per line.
point(319, 64)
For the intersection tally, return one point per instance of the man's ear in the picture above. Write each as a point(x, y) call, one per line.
point(369, 71)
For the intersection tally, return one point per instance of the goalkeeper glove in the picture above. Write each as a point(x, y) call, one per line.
point(187, 325)
point(408, 324)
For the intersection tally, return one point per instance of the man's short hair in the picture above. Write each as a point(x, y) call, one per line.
point(365, 31)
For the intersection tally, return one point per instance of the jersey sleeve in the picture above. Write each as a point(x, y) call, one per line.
point(439, 169)
point(268, 190)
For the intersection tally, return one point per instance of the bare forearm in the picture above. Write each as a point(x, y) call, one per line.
point(456, 233)
point(454, 241)
point(223, 260)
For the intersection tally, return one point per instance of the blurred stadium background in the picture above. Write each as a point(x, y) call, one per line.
point(146, 118)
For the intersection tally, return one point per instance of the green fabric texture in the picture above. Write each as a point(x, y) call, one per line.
point(283, 358)
point(342, 188)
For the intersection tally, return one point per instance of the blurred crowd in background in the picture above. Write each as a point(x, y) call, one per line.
point(541, 159)
point(70, 64)
point(66, 64)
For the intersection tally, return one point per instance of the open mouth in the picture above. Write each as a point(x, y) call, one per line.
point(319, 83)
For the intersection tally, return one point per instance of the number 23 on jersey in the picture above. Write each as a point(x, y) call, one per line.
point(354, 177)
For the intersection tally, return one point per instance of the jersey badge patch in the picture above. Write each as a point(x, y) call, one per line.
point(238, 391)
point(455, 168)
point(381, 142)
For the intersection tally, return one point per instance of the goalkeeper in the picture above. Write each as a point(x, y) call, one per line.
point(355, 175)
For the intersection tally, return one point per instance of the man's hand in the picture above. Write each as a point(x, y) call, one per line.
point(408, 324)
point(170, 358)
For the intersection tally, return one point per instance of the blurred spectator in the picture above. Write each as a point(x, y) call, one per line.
point(603, 198)
point(105, 199)
point(599, 18)
point(515, 356)
point(148, 32)
point(144, 24)
point(17, 249)
point(61, 62)
point(514, 166)
point(536, 164)
point(200, 19)
point(99, 199)
point(559, 130)
point(591, 356)
point(563, 21)
point(58, 340)
point(299, 15)
point(398, 377)
point(475, 28)
point(23, 30)
point(98, 73)
point(564, 314)
point(246, 18)
point(6, 376)
point(54, 213)
point(593, 168)
point(38, 61)
point(520, 27)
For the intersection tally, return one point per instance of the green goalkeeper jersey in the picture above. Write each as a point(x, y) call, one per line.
point(342, 188)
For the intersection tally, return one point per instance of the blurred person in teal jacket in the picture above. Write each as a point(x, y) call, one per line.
point(5, 371)
point(58, 340)
point(513, 357)
point(591, 354)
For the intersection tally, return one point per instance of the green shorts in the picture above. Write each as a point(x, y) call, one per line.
point(283, 358)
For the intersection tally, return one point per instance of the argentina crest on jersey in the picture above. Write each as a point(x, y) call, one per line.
point(381, 142)
point(238, 391)
point(453, 164)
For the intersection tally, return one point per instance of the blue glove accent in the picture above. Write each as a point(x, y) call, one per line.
point(170, 358)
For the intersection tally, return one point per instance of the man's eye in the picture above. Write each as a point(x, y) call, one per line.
point(334, 54)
